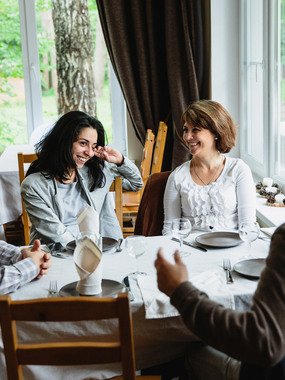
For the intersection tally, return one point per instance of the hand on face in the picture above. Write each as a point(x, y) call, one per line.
point(170, 276)
point(109, 154)
point(41, 258)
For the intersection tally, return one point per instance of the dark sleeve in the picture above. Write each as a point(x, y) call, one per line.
point(255, 336)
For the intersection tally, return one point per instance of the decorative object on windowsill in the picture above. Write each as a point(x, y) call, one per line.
point(267, 189)
point(277, 200)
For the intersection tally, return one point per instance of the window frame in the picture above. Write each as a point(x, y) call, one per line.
point(271, 91)
point(32, 80)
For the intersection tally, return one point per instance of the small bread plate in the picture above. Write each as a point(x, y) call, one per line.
point(250, 268)
point(110, 288)
point(108, 244)
point(220, 239)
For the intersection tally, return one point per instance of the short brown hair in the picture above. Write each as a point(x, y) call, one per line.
point(214, 117)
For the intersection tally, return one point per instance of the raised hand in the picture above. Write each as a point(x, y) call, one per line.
point(109, 154)
point(170, 276)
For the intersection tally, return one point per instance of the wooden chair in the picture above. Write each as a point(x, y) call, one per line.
point(24, 158)
point(149, 221)
point(132, 200)
point(68, 352)
point(159, 148)
point(116, 187)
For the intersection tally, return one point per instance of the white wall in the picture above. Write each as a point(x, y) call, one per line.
point(225, 57)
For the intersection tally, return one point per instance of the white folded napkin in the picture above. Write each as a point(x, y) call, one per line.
point(87, 258)
point(88, 253)
point(157, 304)
point(88, 220)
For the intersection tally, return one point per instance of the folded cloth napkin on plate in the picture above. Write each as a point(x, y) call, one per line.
point(88, 253)
point(157, 304)
point(88, 220)
point(87, 258)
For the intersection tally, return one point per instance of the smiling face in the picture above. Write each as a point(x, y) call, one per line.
point(83, 148)
point(200, 141)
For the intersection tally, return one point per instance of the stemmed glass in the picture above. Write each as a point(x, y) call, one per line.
point(135, 247)
point(181, 228)
point(249, 232)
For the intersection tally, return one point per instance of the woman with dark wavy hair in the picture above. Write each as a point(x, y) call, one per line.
point(212, 190)
point(74, 169)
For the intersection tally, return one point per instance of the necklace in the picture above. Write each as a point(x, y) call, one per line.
point(212, 178)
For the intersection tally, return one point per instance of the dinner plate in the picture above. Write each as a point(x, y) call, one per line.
point(108, 243)
point(221, 239)
point(250, 268)
point(110, 288)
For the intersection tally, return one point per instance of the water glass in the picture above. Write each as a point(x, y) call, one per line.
point(181, 228)
point(249, 232)
point(135, 246)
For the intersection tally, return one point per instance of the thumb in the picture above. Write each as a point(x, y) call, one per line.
point(36, 245)
point(177, 257)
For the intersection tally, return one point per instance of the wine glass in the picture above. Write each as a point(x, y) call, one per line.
point(181, 228)
point(135, 247)
point(249, 232)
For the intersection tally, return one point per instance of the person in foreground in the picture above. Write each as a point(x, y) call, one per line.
point(256, 336)
point(17, 267)
point(74, 169)
point(211, 190)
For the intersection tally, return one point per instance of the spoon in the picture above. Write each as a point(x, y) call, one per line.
point(119, 249)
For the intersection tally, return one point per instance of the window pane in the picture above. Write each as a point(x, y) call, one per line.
point(47, 59)
point(12, 92)
point(255, 82)
point(47, 55)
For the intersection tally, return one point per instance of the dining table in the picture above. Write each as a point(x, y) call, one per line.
point(159, 332)
point(10, 195)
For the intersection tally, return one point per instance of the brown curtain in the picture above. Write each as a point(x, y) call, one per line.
point(160, 51)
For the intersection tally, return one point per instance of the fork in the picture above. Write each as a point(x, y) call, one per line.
point(53, 290)
point(227, 267)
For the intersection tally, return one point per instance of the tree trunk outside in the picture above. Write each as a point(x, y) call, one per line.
point(74, 56)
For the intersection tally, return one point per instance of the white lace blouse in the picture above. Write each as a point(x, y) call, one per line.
point(222, 205)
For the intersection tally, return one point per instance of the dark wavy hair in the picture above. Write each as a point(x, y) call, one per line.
point(54, 150)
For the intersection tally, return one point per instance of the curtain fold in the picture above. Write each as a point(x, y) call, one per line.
point(160, 53)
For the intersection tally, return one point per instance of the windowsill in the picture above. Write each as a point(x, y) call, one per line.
point(269, 216)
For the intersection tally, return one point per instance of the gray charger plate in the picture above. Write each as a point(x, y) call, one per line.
point(110, 288)
point(108, 243)
point(251, 268)
point(220, 239)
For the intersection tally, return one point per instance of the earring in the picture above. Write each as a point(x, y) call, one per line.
point(216, 138)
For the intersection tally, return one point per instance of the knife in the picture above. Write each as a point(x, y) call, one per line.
point(127, 285)
point(190, 244)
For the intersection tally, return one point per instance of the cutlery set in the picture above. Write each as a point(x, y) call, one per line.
point(227, 267)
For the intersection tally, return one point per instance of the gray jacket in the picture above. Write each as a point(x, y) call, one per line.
point(44, 207)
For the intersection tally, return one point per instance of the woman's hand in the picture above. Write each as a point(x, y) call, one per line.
point(109, 154)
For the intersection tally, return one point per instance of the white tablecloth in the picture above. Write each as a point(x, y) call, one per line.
point(10, 197)
point(158, 338)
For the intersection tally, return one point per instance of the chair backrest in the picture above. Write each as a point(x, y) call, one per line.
point(117, 187)
point(149, 221)
point(147, 155)
point(68, 352)
point(24, 158)
point(159, 148)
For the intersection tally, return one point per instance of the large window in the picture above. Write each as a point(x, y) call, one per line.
point(263, 87)
point(28, 95)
